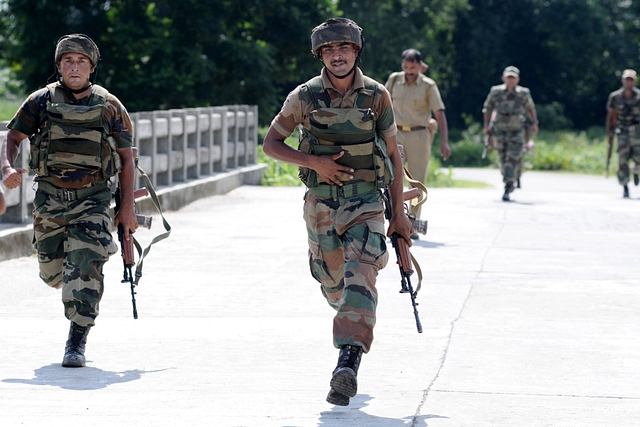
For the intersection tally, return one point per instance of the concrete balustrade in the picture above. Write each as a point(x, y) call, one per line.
point(175, 147)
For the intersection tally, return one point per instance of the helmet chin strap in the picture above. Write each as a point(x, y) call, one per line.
point(75, 91)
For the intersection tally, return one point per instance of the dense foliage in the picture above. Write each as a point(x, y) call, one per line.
point(172, 54)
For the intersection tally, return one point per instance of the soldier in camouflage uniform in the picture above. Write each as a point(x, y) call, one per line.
point(347, 153)
point(80, 136)
point(623, 117)
point(512, 103)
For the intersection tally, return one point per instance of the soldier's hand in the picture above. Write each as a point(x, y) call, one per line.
point(402, 225)
point(445, 150)
point(534, 128)
point(331, 171)
point(12, 177)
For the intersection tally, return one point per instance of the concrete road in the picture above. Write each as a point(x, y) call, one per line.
point(530, 309)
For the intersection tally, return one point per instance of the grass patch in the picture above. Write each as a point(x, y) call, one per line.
point(8, 108)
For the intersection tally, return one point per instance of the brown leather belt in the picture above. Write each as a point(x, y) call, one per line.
point(411, 128)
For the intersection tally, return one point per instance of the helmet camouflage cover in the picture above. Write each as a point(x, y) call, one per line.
point(77, 43)
point(335, 30)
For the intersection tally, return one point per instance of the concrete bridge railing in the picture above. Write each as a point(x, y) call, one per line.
point(175, 147)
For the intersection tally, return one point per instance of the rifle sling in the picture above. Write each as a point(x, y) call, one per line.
point(143, 253)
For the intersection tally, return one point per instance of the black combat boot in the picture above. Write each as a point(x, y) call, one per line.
point(508, 188)
point(636, 179)
point(74, 349)
point(625, 193)
point(344, 383)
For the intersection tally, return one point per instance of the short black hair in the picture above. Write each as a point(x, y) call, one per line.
point(412, 55)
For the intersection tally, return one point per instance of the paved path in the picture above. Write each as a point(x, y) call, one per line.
point(530, 309)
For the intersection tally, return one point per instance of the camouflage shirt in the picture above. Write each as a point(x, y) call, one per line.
point(628, 109)
point(33, 116)
point(511, 106)
point(295, 110)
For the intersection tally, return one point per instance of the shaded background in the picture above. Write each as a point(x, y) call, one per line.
point(189, 53)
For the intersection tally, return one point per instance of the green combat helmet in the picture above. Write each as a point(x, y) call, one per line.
point(78, 43)
point(336, 30)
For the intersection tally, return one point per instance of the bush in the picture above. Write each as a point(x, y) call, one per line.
point(551, 116)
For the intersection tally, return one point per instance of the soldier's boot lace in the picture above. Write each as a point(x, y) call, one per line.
point(625, 193)
point(74, 348)
point(344, 380)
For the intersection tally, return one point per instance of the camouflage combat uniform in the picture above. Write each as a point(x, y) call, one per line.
point(628, 130)
point(345, 225)
point(72, 237)
point(509, 127)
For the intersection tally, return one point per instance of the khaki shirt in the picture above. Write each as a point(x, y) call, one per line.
point(295, 111)
point(413, 103)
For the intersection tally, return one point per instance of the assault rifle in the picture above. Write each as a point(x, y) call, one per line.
point(609, 149)
point(487, 137)
point(403, 254)
point(126, 247)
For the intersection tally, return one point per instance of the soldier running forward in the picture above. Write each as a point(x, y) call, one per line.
point(80, 137)
point(623, 117)
point(511, 102)
point(347, 153)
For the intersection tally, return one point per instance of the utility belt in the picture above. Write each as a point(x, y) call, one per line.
point(70, 194)
point(345, 191)
point(406, 128)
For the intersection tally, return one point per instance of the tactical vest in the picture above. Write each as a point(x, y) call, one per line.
point(511, 111)
point(75, 136)
point(628, 110)
point(352, 130)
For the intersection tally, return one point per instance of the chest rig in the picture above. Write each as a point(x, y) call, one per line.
point(352, 130)
point(74, 136)
point(511, 111)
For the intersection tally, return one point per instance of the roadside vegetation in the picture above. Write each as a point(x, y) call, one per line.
point(561, 150)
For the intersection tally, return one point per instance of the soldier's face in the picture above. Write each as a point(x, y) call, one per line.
point(339, 58)
point(75, 69)
point(510, 81)
point(628, 83)
point(411, 70)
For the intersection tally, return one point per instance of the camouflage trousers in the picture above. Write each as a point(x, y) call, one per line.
point(346, 250)
point(509, 145)
point(73, 243)
point(628, 148)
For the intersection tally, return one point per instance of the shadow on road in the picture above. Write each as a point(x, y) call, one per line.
point(87, 378)
point(340, 416)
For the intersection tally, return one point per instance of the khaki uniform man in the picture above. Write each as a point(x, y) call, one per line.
point(623, 118)
point(80, 136)
point(345, 118)
point(511, 103)
point(415, 98)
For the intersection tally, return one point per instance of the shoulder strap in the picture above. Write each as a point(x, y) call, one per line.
point(317, 92)
point(143, 253)
point(367, 96)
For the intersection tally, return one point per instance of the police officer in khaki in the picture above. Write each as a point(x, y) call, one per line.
point(80, 137)
point(511, 103)
point(416, 99)
point(348, 152)
point(623, 118)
